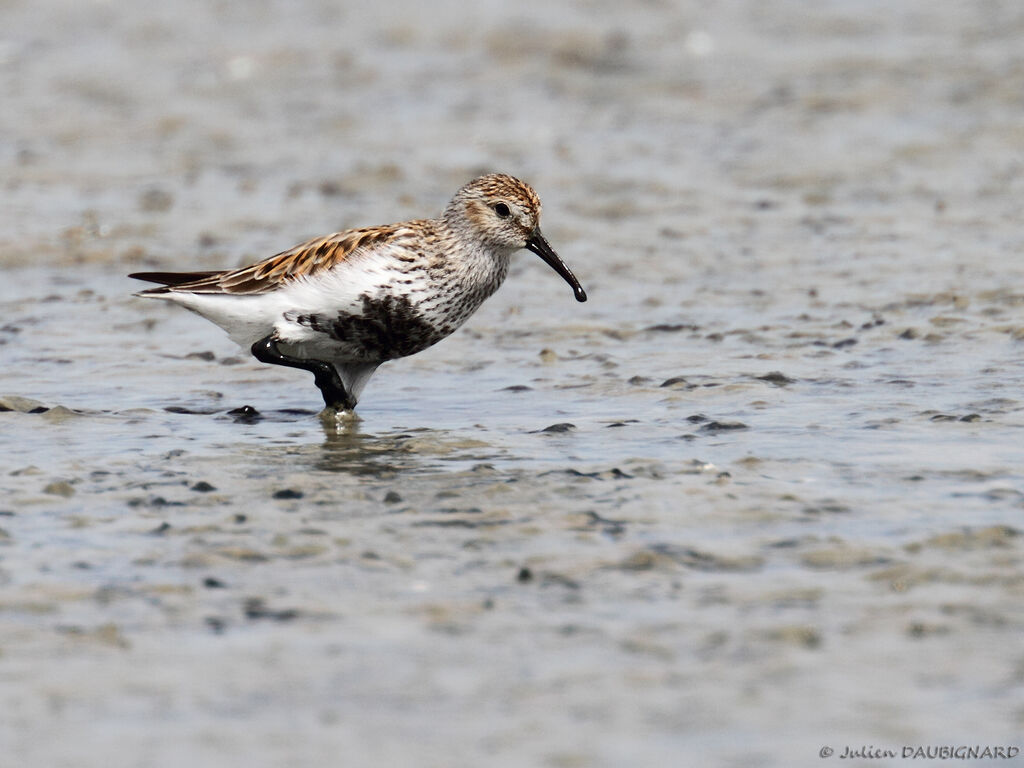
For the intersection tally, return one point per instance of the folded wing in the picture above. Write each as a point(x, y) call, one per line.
point(303, 260)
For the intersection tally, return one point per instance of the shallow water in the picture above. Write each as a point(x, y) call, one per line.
point(785, 514)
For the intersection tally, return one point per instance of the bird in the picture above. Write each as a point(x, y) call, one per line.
point(341, 305)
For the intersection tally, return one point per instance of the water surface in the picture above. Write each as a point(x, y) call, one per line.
point(761, 494)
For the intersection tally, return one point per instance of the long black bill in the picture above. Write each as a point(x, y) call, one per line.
point(540, 246)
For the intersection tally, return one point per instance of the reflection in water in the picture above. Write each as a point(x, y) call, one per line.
point(347, 449)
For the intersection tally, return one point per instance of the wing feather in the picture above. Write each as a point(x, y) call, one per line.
point(304, 260)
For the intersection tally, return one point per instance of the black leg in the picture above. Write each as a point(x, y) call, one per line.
point(326, 377)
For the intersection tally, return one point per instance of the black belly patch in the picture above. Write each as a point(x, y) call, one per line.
point(388, 327)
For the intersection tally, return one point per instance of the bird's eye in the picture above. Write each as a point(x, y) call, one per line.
point(502, 210)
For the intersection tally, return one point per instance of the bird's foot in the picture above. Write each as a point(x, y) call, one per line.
point(334, 393)
point(337, 419)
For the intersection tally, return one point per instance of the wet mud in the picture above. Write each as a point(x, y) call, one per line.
point(762, 494)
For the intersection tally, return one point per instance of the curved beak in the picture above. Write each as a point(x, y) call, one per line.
point(539, 245)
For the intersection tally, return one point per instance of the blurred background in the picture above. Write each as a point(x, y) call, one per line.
point(785, 514)
point(162, 134)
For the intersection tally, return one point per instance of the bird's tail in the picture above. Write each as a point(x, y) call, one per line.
point(168, 280)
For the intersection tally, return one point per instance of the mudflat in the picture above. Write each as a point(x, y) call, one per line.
point(760, 496)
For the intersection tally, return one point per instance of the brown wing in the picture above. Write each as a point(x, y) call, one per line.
point(304, 259)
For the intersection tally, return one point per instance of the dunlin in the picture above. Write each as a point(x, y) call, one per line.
point(339, 306)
